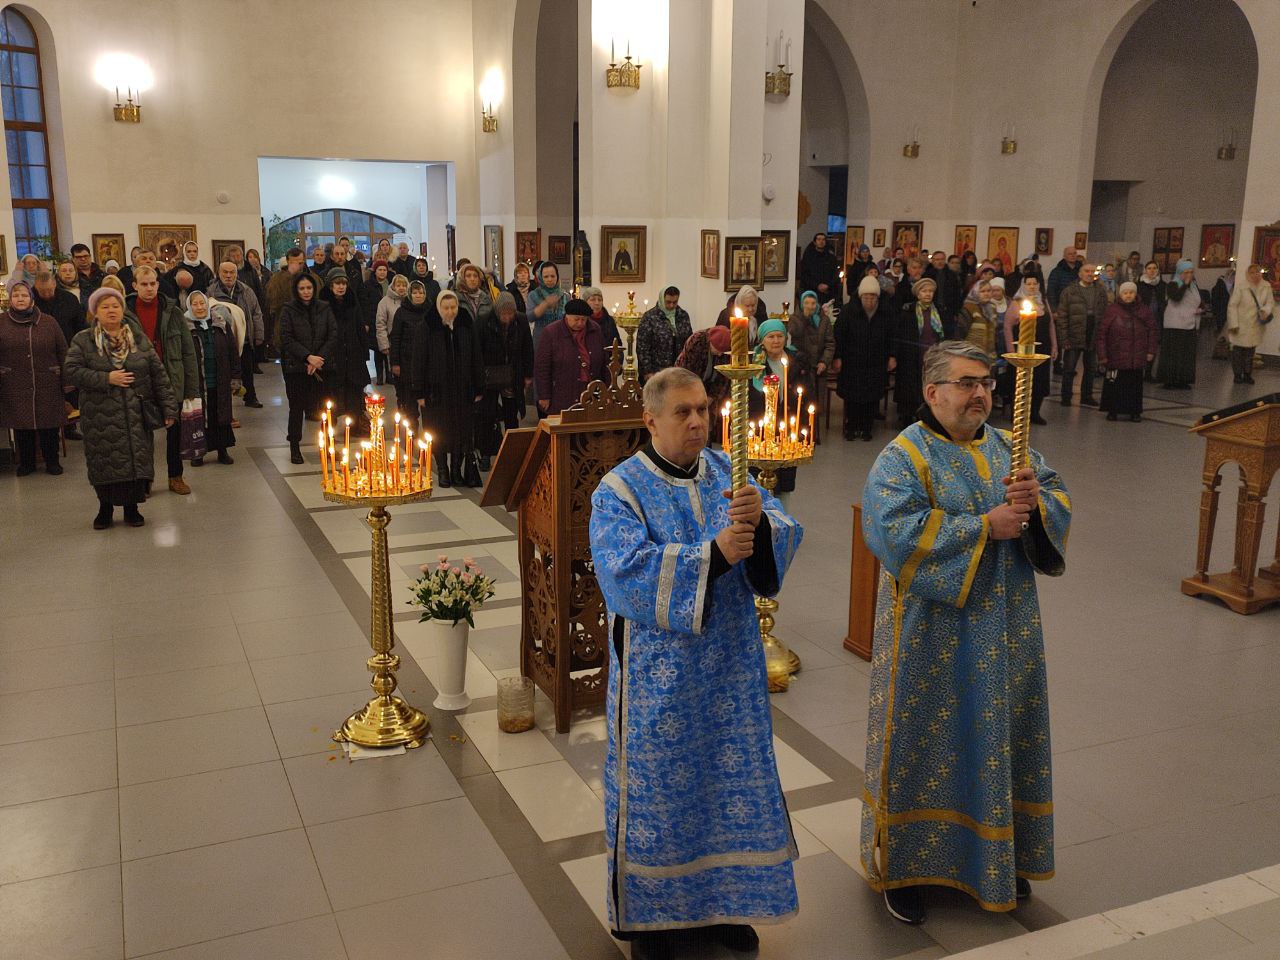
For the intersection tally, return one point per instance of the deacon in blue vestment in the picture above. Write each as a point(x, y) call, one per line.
point(695, 821)
point(958, 789)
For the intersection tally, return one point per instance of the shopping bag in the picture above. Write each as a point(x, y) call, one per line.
point(193, 445)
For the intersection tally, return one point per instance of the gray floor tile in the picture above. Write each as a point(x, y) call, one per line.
point(456, 922)
point(57, 767)
point(1194, 941)
point(210, 892)
point(59, 836)
point(203, 610)
point(73, 916)
point(273, 603)
point(89, 706)
point(1256, 923)
point(26, 670)
point(177, 649)
point(175, 748)
point(826, 697)
point(314, 939)
point(330, 787)
point(185, 693)
point(311, 675)
point(425, 847)
point(167, 815)
point(53, 628)
point(306, 726)
point(266, 639)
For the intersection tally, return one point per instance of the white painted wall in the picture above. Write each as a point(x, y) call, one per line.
point(396, 191)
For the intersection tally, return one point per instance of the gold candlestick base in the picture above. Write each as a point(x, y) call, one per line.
point(386, 720)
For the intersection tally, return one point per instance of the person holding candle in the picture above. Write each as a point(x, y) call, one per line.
point(306, 346)
point(680, 557)
point(959, 790)
point(1030, 298)
point(450, 376)
point(772, 352)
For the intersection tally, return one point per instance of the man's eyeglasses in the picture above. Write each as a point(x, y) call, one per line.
point(967, 384)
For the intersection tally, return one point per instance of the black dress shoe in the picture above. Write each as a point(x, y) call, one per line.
point(225, 457)
point(198, 462)
point(256, 404)
point(736, 936)
point(25, 470)
point(866, 435)
point(655, 945)
point(133, 518)
point(102, 520)
point(295, 453)
point(53, 468)
point(906, 904)
point(1023, 887)
point(1248, 379)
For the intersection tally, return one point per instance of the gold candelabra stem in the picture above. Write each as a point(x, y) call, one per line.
point(1025, 364)
point(386, 720)
point(780, 662)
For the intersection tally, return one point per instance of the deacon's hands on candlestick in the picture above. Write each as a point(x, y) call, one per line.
point(744, 505)
point(1008, 520)
point(1023, 488)
point(736, 541)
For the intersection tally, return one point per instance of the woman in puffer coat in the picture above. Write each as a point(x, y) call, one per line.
point(124, 397)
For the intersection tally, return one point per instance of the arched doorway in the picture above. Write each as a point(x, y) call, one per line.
point(1175, 98)
point(835, 135)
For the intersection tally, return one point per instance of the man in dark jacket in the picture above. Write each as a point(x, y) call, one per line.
point(65, 308)
point(950, 293)
point(1080, 309)
point(570, 354)
point(661, 334)
point(229, 288)
point(90, 274)
point(1062, 276)
point(125, 274)
point(819, 271)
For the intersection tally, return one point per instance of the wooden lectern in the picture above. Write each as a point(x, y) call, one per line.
point(1249, 435)
point(548, 474)
point(864, 576)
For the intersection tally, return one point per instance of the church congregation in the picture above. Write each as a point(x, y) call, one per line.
point(747, 516)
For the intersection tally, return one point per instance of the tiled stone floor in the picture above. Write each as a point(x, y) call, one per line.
point(169, 788)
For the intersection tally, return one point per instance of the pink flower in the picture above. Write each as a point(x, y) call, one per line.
point(424, 569)
point(466, 578)
point(468, 562)
point(444, 565)
point(443, 558)
point(455, 571)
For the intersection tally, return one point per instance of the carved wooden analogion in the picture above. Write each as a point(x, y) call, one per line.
point(1248, 435)
point(564, 637)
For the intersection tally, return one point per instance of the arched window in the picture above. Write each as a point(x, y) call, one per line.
point(318, 227)
point(26, 135)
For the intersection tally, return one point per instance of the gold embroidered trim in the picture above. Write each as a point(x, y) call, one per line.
point(1033, 809)
point(767, 858)
point(973, 562)
point(941, 815)
point(918, 461)
point(666, 581)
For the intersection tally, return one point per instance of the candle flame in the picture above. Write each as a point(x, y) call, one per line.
point(348, 419)
point(1028, 307)
point(737, 313)
point(812, 408)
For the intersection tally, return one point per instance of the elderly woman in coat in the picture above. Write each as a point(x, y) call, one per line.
point(809, 330)
point(1251, 307)
point(124, 397)
point(452, 379)
point(32, 396)
point(1126, 343)
point(217, 364)
point(507, 348)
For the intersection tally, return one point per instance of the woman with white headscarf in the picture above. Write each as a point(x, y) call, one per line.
point(1252, 306)
point(1046, 337)
point(1183, 306)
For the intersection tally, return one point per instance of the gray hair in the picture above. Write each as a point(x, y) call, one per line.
point(588, 292)
point(747, 290)
point(505, 301)
point(937, 360)
point(670, 378)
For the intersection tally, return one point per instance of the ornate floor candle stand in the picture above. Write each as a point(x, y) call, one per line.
point(628, 321)
point(382, 478)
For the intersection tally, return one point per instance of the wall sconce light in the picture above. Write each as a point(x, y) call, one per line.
point(123, 71)
point(911, 150)
point(488, 122)
point(1009, 141)
point(626, 75)
point(778, 82)
point(1228, 150)
point(490, 91)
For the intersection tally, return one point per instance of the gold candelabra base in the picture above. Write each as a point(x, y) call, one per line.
point(780, 661)
point(386, 720)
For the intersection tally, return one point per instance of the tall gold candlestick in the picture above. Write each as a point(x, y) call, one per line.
point(1024, 360)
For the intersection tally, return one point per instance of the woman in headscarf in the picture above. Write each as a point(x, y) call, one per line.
point(917, 328)
point(546, 301)
point(1182, 310)
point(520, 287)
point(306, 348)
point(384, 316)
point(814, 345)
point(772, 349)
point(452, 378)
point(608, 326)
point(976, 322)
point(217, 364)
point(891, 277)
point(1000, 305)
point(701, 353)
point(408, 341)
point(747, 302)
point(32, 396)
point(375, 288)
point(124, 397)
point(26, 271)
point(969, 269)
point(1252, 306)
point(473, 292)
point(507, 349)
point(349, 373)
point(422, 273)
point(1125, 343)
point(1046, 336)
point(862, 353)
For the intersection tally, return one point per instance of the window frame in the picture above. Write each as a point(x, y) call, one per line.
point(22, 241)
point(333, 229)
